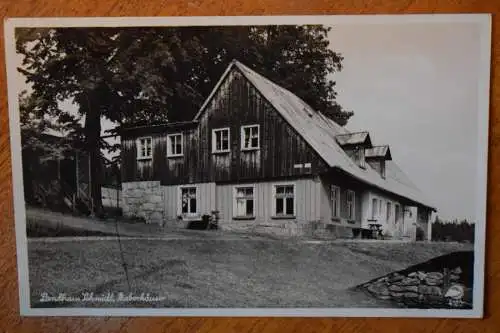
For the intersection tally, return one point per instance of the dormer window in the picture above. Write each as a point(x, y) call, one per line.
point(382, 169)
point(377, 157)
point(354, 144)
point(361, 157)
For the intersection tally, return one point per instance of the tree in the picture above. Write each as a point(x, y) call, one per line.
point(462, 231)
point(295, 57)
point(36, 128)
point(150, 75)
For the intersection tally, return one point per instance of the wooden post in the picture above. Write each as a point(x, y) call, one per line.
point(58, 167)
point(77, 175)
point(90, 185)
point(429, 226)
point(446, 279)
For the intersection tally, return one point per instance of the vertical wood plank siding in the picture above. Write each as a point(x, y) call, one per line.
point(237, 103)
point(307, 199)
point(205, 196)
point(345, 185)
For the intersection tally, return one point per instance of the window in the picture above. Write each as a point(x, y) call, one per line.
point(388, 211)
point(284, 200)
point(220, 140)
point(335, 197)
point(144, 148)
point(374, 208)
point(250, 137)
point(351, 203)
point(244, 202)
point(361, 157)
point(382, 169)
point(174, 145)
point(189, 204)
point(396, 213)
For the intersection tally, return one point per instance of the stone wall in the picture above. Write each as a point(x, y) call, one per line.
point(143, 200)
point(421, 288)
point(289, 228)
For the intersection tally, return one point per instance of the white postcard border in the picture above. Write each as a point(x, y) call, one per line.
point(17, 179)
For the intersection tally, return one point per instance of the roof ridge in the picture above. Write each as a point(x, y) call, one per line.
point(320, 132)
point(357, 132)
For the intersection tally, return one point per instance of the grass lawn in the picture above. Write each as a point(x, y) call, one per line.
point(218, 272)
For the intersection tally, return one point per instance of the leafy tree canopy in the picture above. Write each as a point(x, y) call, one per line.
point(151, 75)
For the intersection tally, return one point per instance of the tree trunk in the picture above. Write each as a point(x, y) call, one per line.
point(92, 134)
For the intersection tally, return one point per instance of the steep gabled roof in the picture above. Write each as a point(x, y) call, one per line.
point(378, 152)
point(320, 133)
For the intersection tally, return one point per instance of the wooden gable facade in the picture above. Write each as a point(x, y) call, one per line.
point(254, 135)
point(235, 103)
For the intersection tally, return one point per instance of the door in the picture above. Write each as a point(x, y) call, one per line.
point(398, 220)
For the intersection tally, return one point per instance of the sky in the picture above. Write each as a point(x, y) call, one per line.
point(414, 87)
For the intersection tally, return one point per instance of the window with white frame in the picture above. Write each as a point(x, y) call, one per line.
point(351, 205)
point(335, 197)
point(284, 200)
point(250, 137)
point(144, 148)
point(244, 202)
point(388, 211)
point(220, 140)
point(189, 202)
point(174, 145)
point(374, 208)
point(397, 213)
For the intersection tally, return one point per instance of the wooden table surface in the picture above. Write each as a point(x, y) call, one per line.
point(9, 313)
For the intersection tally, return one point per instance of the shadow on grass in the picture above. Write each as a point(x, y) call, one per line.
point(35, 230)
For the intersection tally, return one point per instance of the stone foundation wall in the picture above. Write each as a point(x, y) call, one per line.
point(289, 228)
point(143, 200)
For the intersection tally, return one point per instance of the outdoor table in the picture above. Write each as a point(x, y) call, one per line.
point(376, 230)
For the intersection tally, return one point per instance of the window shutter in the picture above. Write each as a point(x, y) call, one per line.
point(198, 201)
point(214, 141)
point(179, 201)
point(169, 145)
point(273, 200)
point(242, 137)
point(294, 200)
point(234, 201)
point(343, 203)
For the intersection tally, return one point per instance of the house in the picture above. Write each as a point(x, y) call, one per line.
point(262, 158)
point(56, 176)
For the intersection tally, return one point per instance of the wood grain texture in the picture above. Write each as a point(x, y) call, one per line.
point(9, 313)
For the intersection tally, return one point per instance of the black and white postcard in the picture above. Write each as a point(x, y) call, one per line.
point(250, 166)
